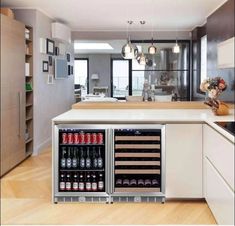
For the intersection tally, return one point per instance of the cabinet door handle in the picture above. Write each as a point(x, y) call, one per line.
point(19, 125)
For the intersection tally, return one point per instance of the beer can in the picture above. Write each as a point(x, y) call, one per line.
point(76, 139)
point(82, 137)
point(70, 138)
point(94, 138)
point(100, 138)
point(87, 138)
point(64, 138)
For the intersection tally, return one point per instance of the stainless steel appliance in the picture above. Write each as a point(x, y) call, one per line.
point(228, 126)
point(108, 163)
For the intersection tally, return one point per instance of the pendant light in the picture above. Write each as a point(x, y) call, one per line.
point(141, 58)
point(152, 49)
point(176, 48)
point(129, 50)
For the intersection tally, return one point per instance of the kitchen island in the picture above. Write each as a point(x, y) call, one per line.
point(197, 154)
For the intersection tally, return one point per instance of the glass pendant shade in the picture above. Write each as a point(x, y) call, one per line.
point(152, 49)
point(176, 48)
point(129, 51)
point(141, 59)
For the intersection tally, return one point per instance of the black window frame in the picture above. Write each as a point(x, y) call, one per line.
point(88, 75)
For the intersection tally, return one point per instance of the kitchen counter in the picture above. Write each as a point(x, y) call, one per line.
point(133, 116)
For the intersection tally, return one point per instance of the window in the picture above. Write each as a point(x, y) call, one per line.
point(203, 71)
point(120, 78)
point(81, 75)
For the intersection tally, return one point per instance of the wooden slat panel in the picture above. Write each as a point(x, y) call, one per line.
point(137, 190)
point(136, 171)
point(137, 146)
point(139, 138)
point(154, 155)
point(137, 163)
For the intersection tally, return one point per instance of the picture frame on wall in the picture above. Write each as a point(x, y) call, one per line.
point(50, 60)
point(45, 66)
point(50, 79)
point(50, 46)
point(68, 57)
point(57, 51)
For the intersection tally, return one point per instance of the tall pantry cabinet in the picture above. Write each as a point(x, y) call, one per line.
point(12, 141)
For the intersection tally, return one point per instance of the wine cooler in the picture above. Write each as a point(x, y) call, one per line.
point(138, 164)
point(80, 163)
point(108, 163)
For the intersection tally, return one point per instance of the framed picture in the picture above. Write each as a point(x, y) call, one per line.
point(57, 51)
point(45, 66)
point(68, 57)
point(50, 60)
point(50, 79)
point(50, 46)
point(71, 70)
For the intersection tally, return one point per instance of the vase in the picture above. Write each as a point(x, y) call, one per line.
point(223, 109)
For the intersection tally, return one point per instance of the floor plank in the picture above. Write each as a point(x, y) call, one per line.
point(26, 199)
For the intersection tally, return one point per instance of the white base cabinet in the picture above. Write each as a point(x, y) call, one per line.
point(184, 161)
point(219, 175)
point(219, 196)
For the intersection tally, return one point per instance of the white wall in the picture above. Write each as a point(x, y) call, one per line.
point(49, 100)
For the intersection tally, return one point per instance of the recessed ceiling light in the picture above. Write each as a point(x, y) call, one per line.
point(87, 45)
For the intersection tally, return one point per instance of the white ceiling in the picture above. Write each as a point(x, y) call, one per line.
point(111, 15)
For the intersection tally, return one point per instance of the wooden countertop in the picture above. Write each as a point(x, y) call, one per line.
point(141, 105)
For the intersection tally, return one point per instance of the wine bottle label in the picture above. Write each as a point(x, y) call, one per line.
point(69, 163)
point(82, 163)
point(75, 186)
point(88, 186)
point(63, 163)
point(68, 186)
point(81, 186)
point(62, 185)
point(94, 186)
point(100, 163)
point(74, 163)
point(100, 185)
point(88, 163)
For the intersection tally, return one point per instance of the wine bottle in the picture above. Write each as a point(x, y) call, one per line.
point(69, 160)
point(74, 160)
point(94, 182)
point(100, 182)
point(63, 159)
point(75, 182)
point(88, 159)
point(100, 160)
point(88, 182)
point(68, 182)
point(95, 160)
point(62, 181)
point(81, 184)
point(82, 160)
point(126, 182)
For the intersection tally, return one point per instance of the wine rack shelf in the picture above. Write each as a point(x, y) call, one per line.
point(137, 189)
point(142, 171)
point(137, 146)
point(137, 163)
point(141, 155)
point(137, 138)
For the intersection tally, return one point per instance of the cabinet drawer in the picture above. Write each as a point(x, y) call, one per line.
point(219, 196)
point(220, 152)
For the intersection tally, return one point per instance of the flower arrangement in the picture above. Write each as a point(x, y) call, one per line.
point(214, 87)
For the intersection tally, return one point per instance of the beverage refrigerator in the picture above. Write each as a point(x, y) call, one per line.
point(108, 163)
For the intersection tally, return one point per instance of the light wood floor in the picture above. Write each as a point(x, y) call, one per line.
point(26, 199)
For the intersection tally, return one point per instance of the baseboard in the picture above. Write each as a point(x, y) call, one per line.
point(40, 147)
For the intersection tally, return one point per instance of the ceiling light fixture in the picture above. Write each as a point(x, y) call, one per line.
point(152, 49)
point(129, 50)
point(176, 48)
point(141, 58)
